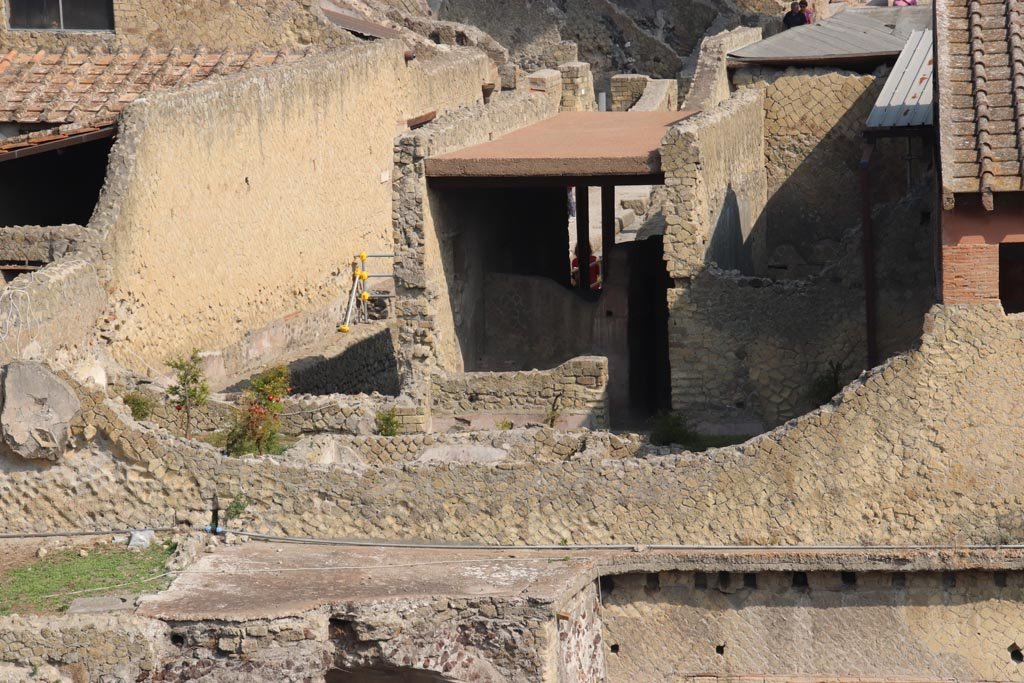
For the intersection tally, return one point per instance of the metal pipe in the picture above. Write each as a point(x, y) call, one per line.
point(634, 546)
point(58, 534)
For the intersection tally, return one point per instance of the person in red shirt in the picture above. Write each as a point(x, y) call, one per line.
point(595, 271)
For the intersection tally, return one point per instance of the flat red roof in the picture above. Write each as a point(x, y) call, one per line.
point(572, 145)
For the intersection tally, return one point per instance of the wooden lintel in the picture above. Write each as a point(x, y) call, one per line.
point(421, 120)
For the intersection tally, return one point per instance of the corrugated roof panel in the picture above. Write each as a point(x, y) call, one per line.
point(859, 32)
point(907, 98)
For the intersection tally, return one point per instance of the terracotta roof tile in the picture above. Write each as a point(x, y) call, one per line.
point(70, 86)
point(981, 96)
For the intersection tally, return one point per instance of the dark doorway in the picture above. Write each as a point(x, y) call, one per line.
point(1011, 277)
point(54, 188)
point(649, 386)
point(393, 675)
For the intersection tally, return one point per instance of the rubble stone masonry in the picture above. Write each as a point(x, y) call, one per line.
point(186, 272)
point(923, 450)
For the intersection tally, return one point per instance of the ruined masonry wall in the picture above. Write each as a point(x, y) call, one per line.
point(577, 87)
point(428, 334)
point(923, 451)
point(814, 119)
point(758, 346)
point(581, 650)
point(157, 23)
point(578, 385)
point(715, 184)
point(42, 244)
point(626, 90)
point(51, 313)
point(936, 627)
point(84, 648)
point(710, 86)
point(186, 272)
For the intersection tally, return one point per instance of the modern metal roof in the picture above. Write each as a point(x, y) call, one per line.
point(851, 35)
point(907, 98)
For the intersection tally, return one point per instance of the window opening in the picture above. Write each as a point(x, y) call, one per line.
point(62, 15)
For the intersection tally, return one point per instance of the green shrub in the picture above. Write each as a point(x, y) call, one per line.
point(671, 428)
point(237, 506)
point(190, 390)
point(829, 383)
point(257, 428)
point(387, 423)
point(141, 405)
point(505, 425)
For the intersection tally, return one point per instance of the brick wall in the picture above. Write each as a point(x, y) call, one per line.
point(970, 273)
point(627, 89)
point(577, 87)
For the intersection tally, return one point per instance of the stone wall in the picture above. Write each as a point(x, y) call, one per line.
point(924, 450)
point(367, 365)
point(186, 272)
point(51, 313)
point(577, 87)
point(242, 25)
point(82, 648)
point(534, 322)
point(422, 269)
point(759, 349)
point(581, 652)
point(37, 244)
point(575, 389)
point(845, 626)
point(715, 187)
point(710, 86)
point(631, 92)
point(626, 90)
point(814, 120)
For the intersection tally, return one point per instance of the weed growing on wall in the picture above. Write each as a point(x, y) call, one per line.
point(387, 423)
point(141, 405)
point(671, 428)
point(258, 427)
point(190, 390)
point(237, 506)
point(828, 383)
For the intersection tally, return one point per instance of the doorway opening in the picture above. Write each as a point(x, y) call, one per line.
point(1011, 277)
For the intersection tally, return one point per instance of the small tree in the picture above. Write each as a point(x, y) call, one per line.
point(190, 390)
point(258, 427)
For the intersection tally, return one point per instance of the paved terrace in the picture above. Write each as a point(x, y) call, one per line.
point(260, 580)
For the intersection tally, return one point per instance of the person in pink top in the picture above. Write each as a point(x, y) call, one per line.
point(808, 12)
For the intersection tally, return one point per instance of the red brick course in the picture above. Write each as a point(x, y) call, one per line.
point(970, 273)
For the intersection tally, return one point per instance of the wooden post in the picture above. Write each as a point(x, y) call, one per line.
point(583, 237)
point(607, 228)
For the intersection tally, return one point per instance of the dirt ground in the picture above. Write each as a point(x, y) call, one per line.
point(16, 553)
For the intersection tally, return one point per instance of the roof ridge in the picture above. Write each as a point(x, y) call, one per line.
point(976, 42)
point(1016, 49)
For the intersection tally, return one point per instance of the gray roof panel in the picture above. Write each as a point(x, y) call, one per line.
point(907, 98)
point(851, 33)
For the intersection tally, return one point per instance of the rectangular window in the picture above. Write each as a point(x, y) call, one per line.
point(66, 15)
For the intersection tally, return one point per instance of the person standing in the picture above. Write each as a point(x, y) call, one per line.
point(794, 17)
point(808, 12)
